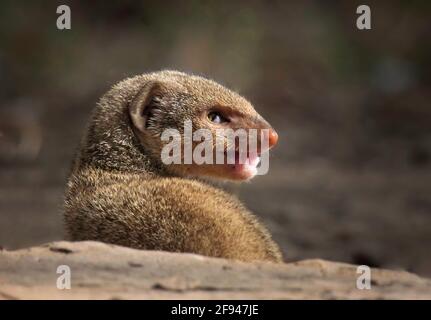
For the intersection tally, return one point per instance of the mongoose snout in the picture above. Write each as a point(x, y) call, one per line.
point(138, 181)
point(273, 138)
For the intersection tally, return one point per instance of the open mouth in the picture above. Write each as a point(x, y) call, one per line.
point(244, 165)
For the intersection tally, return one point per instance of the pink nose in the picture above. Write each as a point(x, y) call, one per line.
point(273, 138)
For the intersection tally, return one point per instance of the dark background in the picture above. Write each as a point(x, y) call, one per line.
point(350, 179)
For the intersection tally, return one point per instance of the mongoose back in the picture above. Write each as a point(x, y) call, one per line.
point(121, 192)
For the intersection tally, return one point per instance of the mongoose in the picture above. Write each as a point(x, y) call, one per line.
point(119, 191)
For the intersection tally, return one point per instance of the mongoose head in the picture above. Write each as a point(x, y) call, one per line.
point(166, 100)
point(173, 98)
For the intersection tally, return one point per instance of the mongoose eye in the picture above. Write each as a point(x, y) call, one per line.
point(216, 117)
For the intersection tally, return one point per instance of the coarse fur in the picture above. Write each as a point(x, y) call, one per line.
point(119, 191)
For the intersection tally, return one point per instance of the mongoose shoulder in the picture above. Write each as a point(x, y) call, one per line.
point(121, 192)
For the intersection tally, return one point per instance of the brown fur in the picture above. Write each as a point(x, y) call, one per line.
point(120, 192)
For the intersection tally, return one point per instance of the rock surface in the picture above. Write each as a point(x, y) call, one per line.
point(103, 271)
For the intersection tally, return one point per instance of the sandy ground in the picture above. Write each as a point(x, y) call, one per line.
point(100, 271)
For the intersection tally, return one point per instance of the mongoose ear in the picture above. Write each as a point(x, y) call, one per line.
point(142, 107)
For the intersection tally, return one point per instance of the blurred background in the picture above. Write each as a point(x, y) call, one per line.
point(350, 179)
